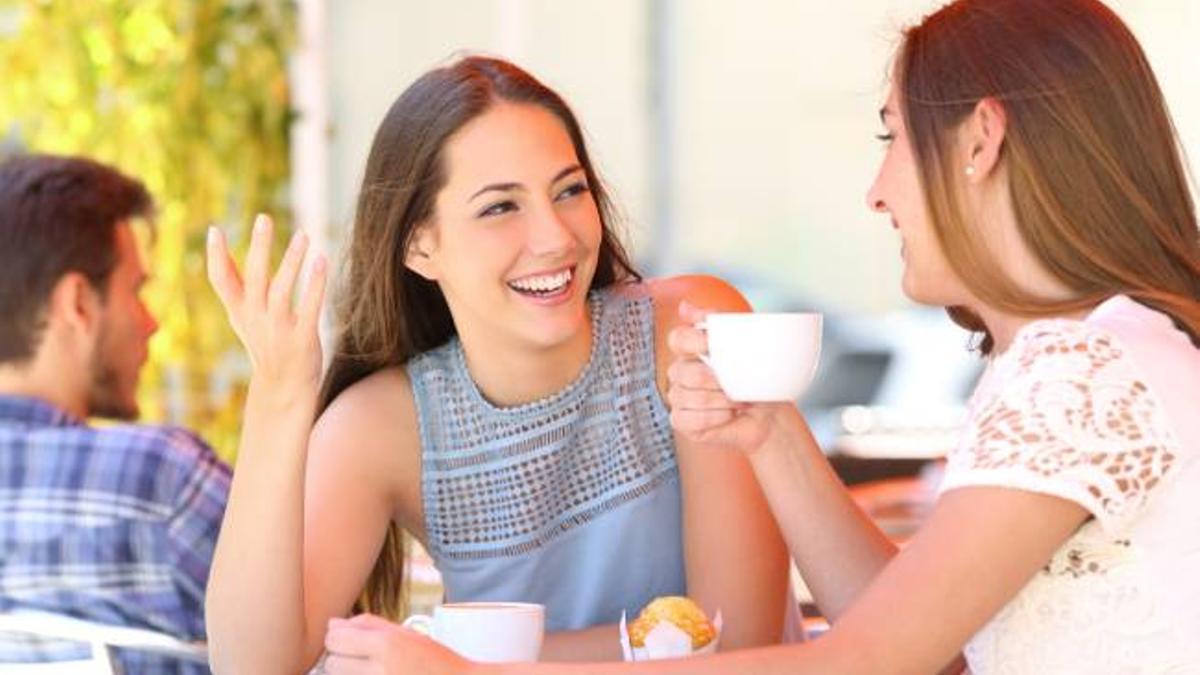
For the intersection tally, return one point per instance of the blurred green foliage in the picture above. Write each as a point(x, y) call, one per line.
point(190, 96)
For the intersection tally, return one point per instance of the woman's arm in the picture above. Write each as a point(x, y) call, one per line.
point(278, 575)
point(836, 547)
point(977, 550)
point(254, 603)
point(354, 459)
point(363, 473)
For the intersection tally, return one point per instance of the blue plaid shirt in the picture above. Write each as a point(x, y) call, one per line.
point(113, 524)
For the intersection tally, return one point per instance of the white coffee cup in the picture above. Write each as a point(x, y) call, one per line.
point(495, 632)
point(763, 356)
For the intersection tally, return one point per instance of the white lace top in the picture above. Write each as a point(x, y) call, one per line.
point(1104, 412)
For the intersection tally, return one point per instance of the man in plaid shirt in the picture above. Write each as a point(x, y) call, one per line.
point(114, 523)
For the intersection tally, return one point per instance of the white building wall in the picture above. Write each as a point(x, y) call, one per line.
point(775, 114)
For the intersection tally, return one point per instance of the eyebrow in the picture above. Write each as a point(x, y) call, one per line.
point(884, 112)
point(507, 187)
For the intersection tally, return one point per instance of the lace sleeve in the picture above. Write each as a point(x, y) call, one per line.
point(1071, 419)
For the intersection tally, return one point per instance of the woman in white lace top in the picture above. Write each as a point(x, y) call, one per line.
point(1034, 178)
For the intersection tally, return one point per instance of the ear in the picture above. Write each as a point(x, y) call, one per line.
point(984, 139)
point(419, 256)
point(75, 304)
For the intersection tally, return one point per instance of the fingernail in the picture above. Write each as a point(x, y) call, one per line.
point(212, 234)
point(260, 223)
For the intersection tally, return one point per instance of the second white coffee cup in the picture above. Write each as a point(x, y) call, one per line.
point(495, 632)
point(763, 356)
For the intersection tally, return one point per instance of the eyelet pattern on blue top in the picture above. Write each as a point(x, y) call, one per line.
point(573, 500)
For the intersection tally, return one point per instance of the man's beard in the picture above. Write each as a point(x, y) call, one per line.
point(105, 397)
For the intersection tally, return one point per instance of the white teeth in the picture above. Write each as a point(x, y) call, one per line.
point(542, 284)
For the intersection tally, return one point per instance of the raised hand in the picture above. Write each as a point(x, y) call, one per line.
point(699, 407)
point(282, 342)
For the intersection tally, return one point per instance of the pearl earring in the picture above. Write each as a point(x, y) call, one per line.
point(970, 170)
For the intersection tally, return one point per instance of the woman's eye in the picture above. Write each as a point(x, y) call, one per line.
point(886, 138)
point(572, 190)
point(498, 208)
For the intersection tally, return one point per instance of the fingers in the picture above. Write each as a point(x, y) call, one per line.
point(692, 314)
point(735, 433)
point(279, 296)
point(680, 398)
point(314, 293)
point(231, 288)
point(687, 341)
point(345, 638)
point(696, 409)
point(336, 664)
point(695, 422)
point(258, 261)
point(692, 375)
point(370, 622)
point(222, 273)
point(736, 427)
point(694, 388)
point(699, 407)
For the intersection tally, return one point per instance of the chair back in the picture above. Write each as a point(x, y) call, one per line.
point(101, 637)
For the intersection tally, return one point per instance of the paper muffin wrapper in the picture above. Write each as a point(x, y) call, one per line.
point(667, 641)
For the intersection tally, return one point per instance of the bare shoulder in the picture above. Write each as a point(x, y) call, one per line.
point(372, 425)
point(380, 402)
point(700, 290)
point(706, 292)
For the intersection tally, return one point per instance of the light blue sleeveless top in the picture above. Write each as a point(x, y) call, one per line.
point(571, 501)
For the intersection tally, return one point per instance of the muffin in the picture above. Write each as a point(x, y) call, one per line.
point(680, 611)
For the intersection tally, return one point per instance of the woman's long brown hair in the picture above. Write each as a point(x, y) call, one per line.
point(385, 314)
point(1096, 171)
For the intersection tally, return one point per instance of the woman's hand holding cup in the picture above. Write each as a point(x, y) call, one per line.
point(700, 408)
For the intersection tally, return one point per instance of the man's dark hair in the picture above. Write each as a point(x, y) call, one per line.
point(57, 215)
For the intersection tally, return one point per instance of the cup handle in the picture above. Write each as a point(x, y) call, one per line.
point(421, 623)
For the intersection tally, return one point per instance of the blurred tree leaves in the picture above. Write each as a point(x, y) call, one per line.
point(190, 96)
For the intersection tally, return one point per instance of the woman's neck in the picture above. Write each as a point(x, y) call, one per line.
point(1022, 268)
point(1004, 327)
point(509, 373)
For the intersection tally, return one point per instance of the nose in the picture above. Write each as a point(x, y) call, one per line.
point(549, 234)
point(150, 324)
point(875, 200)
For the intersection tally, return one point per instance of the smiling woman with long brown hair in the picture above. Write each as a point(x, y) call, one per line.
point(1035, 180)
point(494, 392)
